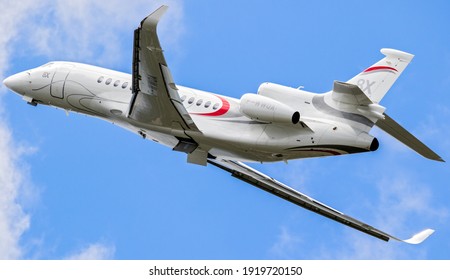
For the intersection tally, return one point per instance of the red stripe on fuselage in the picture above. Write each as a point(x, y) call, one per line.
point(222, 110)
point(378, 68)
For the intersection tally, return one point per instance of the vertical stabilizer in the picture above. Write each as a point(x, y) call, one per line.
point(376, 80)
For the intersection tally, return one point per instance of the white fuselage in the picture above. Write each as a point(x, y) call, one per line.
point(225, 131)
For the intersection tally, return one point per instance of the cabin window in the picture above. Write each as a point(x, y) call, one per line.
point(100, 79)
point(216, 106)
point(124, 85)
point(199, 102)
point(191, 100)
point(207, 104)
point(116, 83)
point(183, 98)
point(108, 81)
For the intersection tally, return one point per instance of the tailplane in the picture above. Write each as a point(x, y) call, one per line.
point(392, 128)
point(376, 80)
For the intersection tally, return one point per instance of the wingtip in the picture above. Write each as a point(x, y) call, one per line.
point(437, 158)
point(153, 19)
point(419, 237)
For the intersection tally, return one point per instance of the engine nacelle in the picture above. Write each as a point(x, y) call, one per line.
point(265, 109)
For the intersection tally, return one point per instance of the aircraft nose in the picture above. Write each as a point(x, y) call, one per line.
point(18, 82)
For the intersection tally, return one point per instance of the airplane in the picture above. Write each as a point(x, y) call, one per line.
point(278, 123)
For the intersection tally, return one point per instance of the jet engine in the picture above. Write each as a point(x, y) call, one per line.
point(265, 109)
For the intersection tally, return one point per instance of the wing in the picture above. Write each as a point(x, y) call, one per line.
point(266, 183)
point(155, 100)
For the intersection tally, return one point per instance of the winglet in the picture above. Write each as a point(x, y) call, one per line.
point(152, 20)
point(419, 237)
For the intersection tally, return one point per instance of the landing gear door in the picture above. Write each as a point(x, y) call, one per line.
point(59, 80)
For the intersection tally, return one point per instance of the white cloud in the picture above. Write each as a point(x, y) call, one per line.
point(74, 29)
point(405, 195)
point(94, 31)
point(96, 251)
point(401, 205)
point(14, 178)
point(14, 13)
point(432, 128)
point(13, 182)
point(285, 245)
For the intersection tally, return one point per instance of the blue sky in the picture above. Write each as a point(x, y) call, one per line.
point(78, 187)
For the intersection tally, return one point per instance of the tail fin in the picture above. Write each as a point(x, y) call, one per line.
point(374, 83)
point(376, 80)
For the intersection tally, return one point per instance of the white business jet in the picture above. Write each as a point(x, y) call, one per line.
point(278, 123)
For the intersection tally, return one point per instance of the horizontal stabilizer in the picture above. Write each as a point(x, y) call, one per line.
point(349, 94)
point(392, 128)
